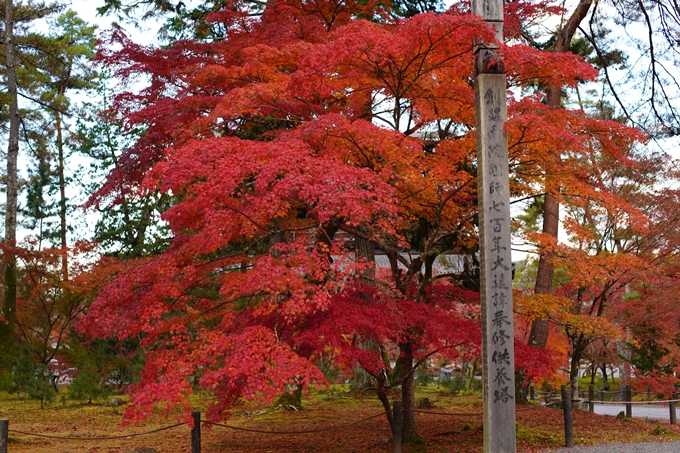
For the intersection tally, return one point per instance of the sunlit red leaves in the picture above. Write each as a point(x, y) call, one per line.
point(521, 16)
point(537, 364)
point(252, 364)
point(234, 188)
point(525, 64)
point(361, 313)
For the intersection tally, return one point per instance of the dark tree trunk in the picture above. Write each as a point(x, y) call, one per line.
point(366, 250)
point(551, 208)
point(578, 346)
point(384, 399)
point(593, 371)
point(408, 403)
point(62, 196)
point(7, 340)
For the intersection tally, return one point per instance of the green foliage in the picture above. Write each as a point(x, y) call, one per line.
point(50, 67)
point(457, 383)
point(102, 366)
point(424, 378)
point(663, 431)
point(524, 277)
point(130, 227)
point(87, 386)
point(648, 353)
point(90, 374)
point(23, 372)
point(532, 217)
point(41, 386)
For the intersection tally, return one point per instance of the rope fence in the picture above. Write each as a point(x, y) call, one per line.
point(306, 431)
point(122, 436)
point(564, 401)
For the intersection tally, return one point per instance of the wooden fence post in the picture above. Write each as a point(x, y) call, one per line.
point(601, 395)
point(4, 435)
point(398, 424)
point(195, 433)
point(629, 406)
point(531, 393)
point(591, 398)
point(649, 395)
point(671, 405)
point(568, 419)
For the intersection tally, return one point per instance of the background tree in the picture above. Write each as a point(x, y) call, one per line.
point(617, 246)
point(9, 262)
point(29, 58)
point(656, 114)
point(129, 226)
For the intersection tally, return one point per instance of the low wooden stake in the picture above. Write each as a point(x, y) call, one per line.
point(671, 406)
point(568, 418)
point(398, 425)
point(195, 433)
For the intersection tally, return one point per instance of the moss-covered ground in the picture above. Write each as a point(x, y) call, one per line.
point(538, 428)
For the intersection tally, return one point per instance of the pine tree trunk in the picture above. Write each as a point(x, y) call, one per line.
point(62, 196)
point(551, 208)
point(7, 340)
point(540, 328)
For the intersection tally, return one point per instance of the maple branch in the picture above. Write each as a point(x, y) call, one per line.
point(247, 218)
point(416, 365)
point(388, 249)
point(456, 275)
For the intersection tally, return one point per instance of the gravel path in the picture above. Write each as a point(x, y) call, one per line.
point(656, 447)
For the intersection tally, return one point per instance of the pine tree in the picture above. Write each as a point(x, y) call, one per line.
point(23, 372)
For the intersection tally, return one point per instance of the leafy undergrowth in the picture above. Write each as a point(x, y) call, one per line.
point(538, 429)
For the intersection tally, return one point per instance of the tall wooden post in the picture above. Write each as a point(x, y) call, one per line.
point(494, 242)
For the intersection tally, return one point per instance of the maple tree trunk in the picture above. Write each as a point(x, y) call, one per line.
point(384, 399)
point(551, 208)
point(408, 396)
point(604, 376)
point(7, 340)
point(576, 354)
point(365, 249)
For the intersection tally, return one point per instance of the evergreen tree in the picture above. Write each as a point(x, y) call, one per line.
point(130, 226)
point(41, 386)
point(23, 372)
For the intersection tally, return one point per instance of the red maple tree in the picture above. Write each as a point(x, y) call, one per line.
point(303, 126)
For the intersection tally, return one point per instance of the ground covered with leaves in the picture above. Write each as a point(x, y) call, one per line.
point(538, 428)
